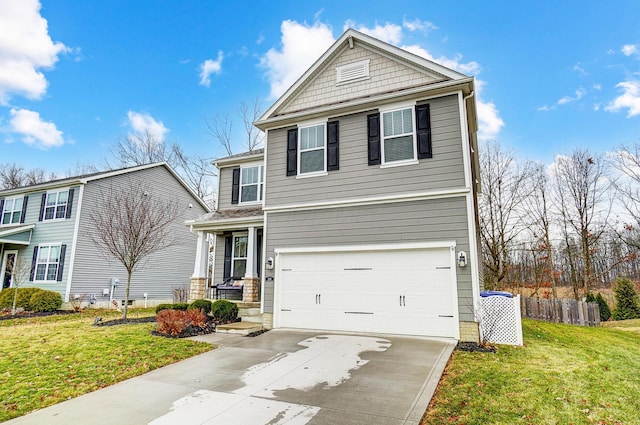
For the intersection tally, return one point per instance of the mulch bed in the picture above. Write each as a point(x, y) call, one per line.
point(129, 321)
point(474, 347)
point(190, 331)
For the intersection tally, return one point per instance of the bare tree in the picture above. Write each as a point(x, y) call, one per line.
point(145, 148)
point(584, 203)
point(198, 172)
point(220, 127)
point(627, 162)
point(19, 269)
point(504, 187)
point(132, 224)
point(13, 175)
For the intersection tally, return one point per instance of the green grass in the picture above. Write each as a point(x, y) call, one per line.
point(563, 375)
point(47, 360)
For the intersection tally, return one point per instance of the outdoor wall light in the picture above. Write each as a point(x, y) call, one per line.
point(269, 263)
point(462, 259)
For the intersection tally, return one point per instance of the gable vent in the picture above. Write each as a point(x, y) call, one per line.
point(352, 72)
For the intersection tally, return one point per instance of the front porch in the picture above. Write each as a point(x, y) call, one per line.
point(232, 269)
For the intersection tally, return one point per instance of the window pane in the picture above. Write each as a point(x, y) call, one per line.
point(40, 271)
point(52, 272)
point(312, 161)
point(319, 136)
point(48, 213)
point(398, 149)
point(60, 211)
point(16, 217)
point(250, 175)
point(54, 253)
point(62, 197)
point(397, 122)
point(304, 138)
point(52, 199)
point(240, 249)
point(249, 193)
point(239, 267)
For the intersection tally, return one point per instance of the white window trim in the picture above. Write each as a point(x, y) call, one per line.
point(35, 270)
point(393, 108)
point(233, 252)
point(4, 208)
point(322, 172)
point(260, 183)
point(44, 214)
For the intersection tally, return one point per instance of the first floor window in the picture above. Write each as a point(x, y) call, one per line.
point(251, 183)
point(398, 141)
point(312, 151)
point(12, 210)
point(56, 205)
point(239, 257)
point(47, 263)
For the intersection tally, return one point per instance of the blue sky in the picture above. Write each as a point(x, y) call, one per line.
point(76, 75)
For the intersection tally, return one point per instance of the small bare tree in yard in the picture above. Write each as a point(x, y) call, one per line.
point(132, 224)
point(19, 269)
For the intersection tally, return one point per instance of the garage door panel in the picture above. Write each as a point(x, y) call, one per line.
point(403, 291)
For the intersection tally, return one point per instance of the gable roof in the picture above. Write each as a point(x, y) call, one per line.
point(442, 77)
point(85, 178)
point(256, 154)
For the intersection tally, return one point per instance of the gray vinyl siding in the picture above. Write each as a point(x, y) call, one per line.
point(417, 221)
point(226, 184)
point(163, 271)
point(58, 231)
point(356, 178)
point(218, 260)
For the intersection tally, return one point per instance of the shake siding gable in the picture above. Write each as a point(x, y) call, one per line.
point(355, 178)
point(163, 271)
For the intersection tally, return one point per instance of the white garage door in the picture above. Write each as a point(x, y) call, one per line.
point(399, 291)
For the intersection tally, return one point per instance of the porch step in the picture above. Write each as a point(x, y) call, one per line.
point(240, 328)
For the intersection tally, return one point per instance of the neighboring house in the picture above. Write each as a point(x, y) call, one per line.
point(47, 228)
point(364, 217)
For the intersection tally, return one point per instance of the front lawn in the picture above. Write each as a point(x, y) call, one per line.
point(47, 360)
point(563, 375)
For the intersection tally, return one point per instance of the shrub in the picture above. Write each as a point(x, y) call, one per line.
point(165, 306)
point(627, 300)
point(6, 297)
point(605, 311)
point(174, 322)
point(42, 300)
point(180, 306)
point(204, 305)
point(224, 311)
point(22, 301)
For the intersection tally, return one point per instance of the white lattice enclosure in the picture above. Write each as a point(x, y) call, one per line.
point(501, 322)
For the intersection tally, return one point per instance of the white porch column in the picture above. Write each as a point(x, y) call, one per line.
point(202, 256)
point(251, 254)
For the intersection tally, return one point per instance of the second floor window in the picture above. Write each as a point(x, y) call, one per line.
point(312, 149)
point(251, 183)
point(56, 205)
point(12, 210)
point(398, 136)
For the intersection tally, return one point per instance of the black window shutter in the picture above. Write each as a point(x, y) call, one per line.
point(33, 263)
point(24, 209)
point(333, 158)
point(235, 186)
point(373, 138)
point(292, 152)
point(42, 204)
point(228, 247)
point(69, 204)
point(423, 126)
point(63, 250)
point(1, 209)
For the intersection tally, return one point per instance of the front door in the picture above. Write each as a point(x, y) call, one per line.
point(8, 262)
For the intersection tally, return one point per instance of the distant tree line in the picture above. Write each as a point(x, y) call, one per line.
point(574, 223)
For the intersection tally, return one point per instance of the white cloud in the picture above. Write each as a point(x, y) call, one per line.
point(418, 25)
point(630, 99)
point(566, 99)
point(209, 67)
point(597, 87)
point(630, 49)
point(302, 45)
point(579, 69)
point(489, 122)
point(544, 108)
point(142, 124)
point(389, 32)
point(34, 130)
point(25, 49)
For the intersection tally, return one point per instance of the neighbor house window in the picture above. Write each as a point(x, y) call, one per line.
point(398, 140)
point(47, 263)
point(56, 205)
point(12, 210)
point(239, 255)
point(251, 183)
point(312, 149)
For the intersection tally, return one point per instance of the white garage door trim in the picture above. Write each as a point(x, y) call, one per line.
point(450, 245)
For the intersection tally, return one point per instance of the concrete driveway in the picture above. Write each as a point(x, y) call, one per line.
point(280, 377)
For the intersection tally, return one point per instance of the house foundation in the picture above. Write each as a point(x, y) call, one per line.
point(250, 290)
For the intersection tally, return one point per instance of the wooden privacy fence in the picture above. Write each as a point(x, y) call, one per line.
point(561, 311)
